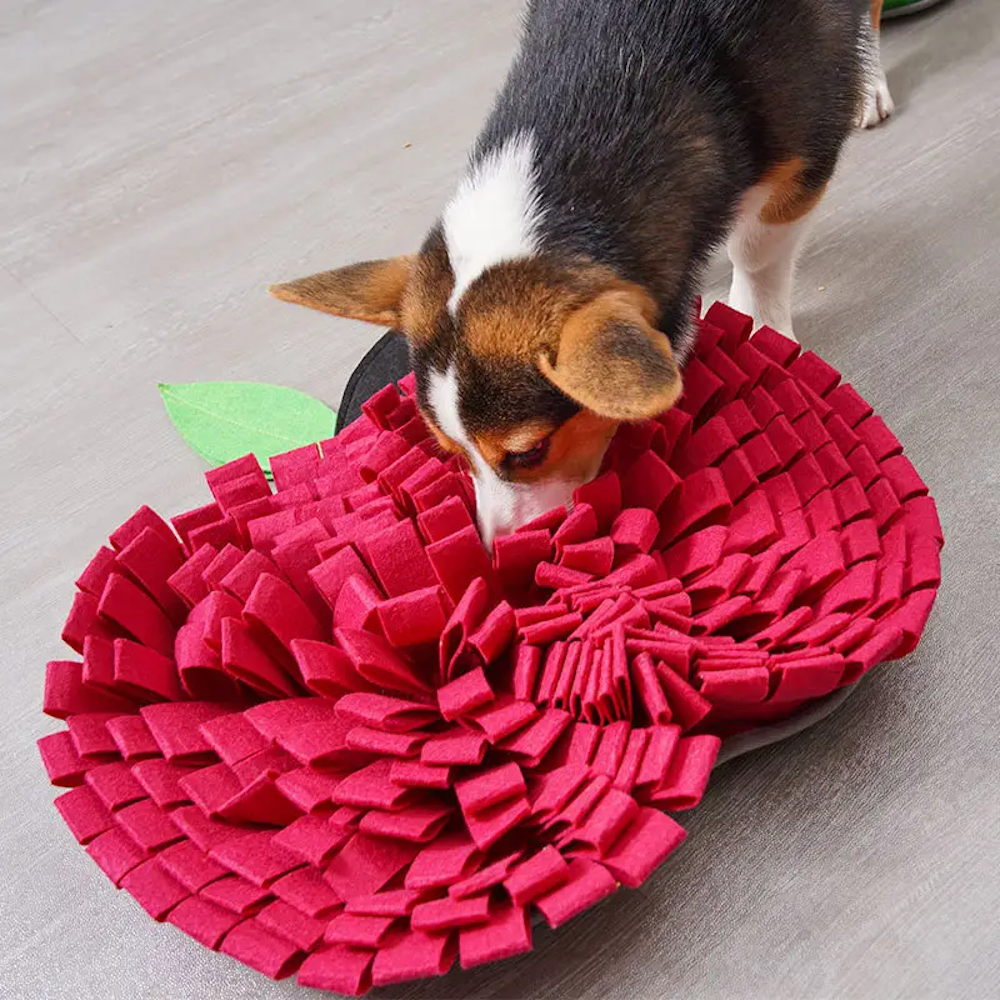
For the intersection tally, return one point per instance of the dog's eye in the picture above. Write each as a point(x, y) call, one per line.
point(530, 459)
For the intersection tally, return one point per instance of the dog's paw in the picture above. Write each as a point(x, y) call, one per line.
point(878, 103)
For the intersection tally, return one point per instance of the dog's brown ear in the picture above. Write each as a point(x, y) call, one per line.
point(370, 291)
point(612, 361)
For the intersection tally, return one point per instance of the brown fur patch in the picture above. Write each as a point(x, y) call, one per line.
point(518, 308)
point(494, 445)
point(444, 442)
point(876, 13)
point(371, 291)
point(790, 198)
point(576, 450)
point(612, 361)
point(425, 301)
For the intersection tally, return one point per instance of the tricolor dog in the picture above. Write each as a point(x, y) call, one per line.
point(551, 300)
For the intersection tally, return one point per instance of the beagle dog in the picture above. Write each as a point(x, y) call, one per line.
point(552, 298)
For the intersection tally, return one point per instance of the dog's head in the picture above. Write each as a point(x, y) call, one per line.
point(526, 371)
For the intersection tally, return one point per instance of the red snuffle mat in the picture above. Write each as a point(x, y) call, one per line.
point(321, 730)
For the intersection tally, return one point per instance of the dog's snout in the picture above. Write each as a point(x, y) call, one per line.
point(502, 507)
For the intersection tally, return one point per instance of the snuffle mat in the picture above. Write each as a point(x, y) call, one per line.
point(320, 729)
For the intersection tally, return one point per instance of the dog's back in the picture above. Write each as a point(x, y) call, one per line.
point(553, 297)
point(651, 117)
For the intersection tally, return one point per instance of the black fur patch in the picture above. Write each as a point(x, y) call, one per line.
point(652, 117)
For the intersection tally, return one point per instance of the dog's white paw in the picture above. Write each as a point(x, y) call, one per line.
point(756, 299)
point(878, 103)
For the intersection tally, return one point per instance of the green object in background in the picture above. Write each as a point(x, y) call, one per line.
point(893, 8)
point(222, 421)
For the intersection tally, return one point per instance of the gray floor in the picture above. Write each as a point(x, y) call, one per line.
point(161, 162)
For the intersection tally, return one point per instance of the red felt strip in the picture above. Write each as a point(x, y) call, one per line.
point(688, 707)
point(357, 605)
point(398, 559)
point(495, 633)
point(365, 864)
point(116, 854)
point(412, 956)
point(537, 875)
point(357, 930)
point(370, 788)
point(377, 661)
point(148, 825)
point(95, 574)
point(207, 923)
point(449, 859)
point(446, 518)
point(490, 787)
point(702, 388)
point(649, 691)
point(587, 883)
point(188, 582)
point(233, 737)
point(339, 969)
point(256, 858)
point(153, 889)
point(456, 746)
point(415, 618)
point(611, 749)
point(190, 866)
point(132, 737)
point(176, 727)
point(132, 609)
point(503, 717)
point(419, 823)
point(580, 526)
point(394, 715)
point(162, 781)
point(330, 575)
point(288, 922)
point(447, 913)
point(274, 606)
point(84, 813)
point(413, 774)
point(143, 674)
point(534, 741)
point(688, 773)
point(647, 842)
point(389, 903)
point(508, 933)
point(542, 633)
point(464, 694)
point(151, 559)
point(316, 840)
point(635, 529)
point(267, 953)
point(628, 769)
point(378, 742)
point(780, 349)
point(64, 766)
point(115, 784)
point(605, 823)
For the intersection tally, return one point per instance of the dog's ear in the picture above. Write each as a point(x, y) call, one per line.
point(371, 291)
point(612, 361)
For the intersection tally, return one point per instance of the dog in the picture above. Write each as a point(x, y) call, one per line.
point(553, 298)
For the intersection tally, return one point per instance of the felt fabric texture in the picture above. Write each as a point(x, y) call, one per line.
point(388, 361)
point(224, 421)
point(356, 733)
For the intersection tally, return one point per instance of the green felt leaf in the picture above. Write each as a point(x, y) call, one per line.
point(226, 420)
